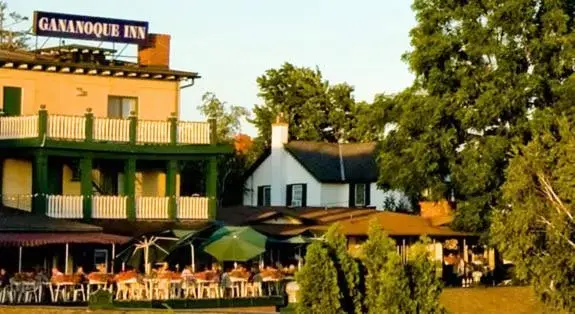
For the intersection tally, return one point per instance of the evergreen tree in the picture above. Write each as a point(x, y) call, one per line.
point(424, 280)
point(349, 277)
point(387, 287)
point(318, 289)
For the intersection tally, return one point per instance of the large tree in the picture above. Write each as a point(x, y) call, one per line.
point(481, 67)
point(535, 227)
point(314, 109)
point(11, 36)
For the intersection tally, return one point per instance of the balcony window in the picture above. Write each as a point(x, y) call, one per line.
point(119, 107)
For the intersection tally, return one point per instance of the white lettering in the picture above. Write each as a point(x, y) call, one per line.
point(115, 30)
point(70, 27)
point(43, 23)
point(88, 28)
point(53, 25)
point(98, 29)
point(141, 32)
point(106, 29)
point(80, 27)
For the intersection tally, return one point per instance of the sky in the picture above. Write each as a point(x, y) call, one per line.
point(230, 42)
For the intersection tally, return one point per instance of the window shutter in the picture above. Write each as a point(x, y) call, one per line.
point(288, 194)
point(367, 194)
point(304, 195)
point(260, 196)
point(351, 195)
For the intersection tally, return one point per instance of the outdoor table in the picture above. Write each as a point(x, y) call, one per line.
point(269, 281)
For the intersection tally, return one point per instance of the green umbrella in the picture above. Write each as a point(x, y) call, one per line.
point(235, 244)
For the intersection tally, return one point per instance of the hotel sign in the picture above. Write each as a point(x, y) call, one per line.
point(89, 28)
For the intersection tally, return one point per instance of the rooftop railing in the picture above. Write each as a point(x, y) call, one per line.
point(88, 128)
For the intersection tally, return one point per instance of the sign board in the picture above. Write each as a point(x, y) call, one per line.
point(89, 28)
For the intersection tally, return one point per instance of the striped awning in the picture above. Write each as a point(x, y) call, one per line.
point(25, 239)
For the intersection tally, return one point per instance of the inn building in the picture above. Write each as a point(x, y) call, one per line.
point(86, 136)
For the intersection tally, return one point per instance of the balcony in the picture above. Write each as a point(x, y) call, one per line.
point(92, 129)
point(115, 207)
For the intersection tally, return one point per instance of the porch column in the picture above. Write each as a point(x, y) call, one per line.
point(130, 187)
point(212, 186)
point(1, 179)
point(171, 187)
point(86, 186)
point(39, 183)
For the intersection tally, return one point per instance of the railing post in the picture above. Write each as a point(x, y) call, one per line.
point(171, 185)
point(40, 183)
point(130, 187)
point(213, 131)
point(42, 122)
point(173, 120)
point(89, 123)
point(212, 186)
point(86, 186)
point(133, 127)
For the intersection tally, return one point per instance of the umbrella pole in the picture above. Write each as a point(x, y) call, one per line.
point(113, 257)
point(66, 260)
point(193, 258)
point(146, 268)
point(20, 259)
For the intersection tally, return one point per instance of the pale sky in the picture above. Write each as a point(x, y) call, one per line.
point(232, 42)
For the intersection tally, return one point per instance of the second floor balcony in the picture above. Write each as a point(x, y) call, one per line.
point(91, 129)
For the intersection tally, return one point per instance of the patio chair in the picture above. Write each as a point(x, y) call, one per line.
point(6, 291)
point(254, 289)
point(189, 289)
point(162, 290)
point(79, 290)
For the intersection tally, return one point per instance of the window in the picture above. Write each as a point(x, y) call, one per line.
point(101, 258)
point(119, 107)
point(360, 195)
point(264, 195)
point(296, 195)
point(12, 101)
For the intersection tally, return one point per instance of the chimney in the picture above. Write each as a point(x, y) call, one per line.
point(156, 51)
point(280, 137)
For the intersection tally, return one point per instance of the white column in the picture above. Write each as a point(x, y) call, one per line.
point(66, 262)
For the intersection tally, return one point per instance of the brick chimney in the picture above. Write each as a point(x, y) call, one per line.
point(156, 51)
point(441, 208)
point(280, 136)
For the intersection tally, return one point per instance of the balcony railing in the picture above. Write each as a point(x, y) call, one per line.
point(115, 207)
point(96, 129)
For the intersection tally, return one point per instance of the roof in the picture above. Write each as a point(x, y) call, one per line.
point(354, 221)
point(24, 60)
point(138, 228)
point(13, 220)
point(37, 239)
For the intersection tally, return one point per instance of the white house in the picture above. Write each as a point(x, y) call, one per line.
point(315, 174)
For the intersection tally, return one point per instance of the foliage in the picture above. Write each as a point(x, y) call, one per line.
point(481, 68)
point(535, 227)
point(231, 168)
point(10, 39)
point(349, 276)
point(424, 278)
point(100, 300)
point(396, 203)
point(386, 282)
point(317, 279)
point(314, 109)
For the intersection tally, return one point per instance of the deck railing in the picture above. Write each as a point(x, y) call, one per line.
point(109, 207)
point(64, 206)
point(99, 129)
point(150, 207)
point(18, 127)
point(192, 207)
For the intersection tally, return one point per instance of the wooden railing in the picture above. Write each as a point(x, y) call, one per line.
point(109, 207)
point(64, 206)
point(67, 127)
point(152, 207)
point(192, 207)
point(18, 127)
point(99, 129)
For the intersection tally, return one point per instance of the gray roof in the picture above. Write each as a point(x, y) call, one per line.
point(337, 163)
point(13, 220)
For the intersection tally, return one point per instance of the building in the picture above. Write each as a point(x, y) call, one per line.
point(86, 136)
point(315, 174)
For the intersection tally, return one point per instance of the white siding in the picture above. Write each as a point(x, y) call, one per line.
point(261, 176)
point(334, 195)
point(295, 174)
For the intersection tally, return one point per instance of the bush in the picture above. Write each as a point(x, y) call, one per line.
point(424, 280)
point(100, 300)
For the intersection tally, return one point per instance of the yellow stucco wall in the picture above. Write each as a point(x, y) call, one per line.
point(17, 183)
point(69, 187)
point(59, 92)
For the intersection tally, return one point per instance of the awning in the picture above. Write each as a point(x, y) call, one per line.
point(39, 239)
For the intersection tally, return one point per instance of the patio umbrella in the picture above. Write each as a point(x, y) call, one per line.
point(148, 249)
point(235, 244)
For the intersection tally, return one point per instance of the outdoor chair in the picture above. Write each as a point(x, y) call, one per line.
point(254, 289)
point(78, 290)
point(7, 291)
point(162, 290)
point(31, 293)
point(189, 289)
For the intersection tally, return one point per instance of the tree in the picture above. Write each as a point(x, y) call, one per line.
point(481, 68)
point(9, 39)
point(386, 282)
point(231, 168)
point(349, 276)
point(317, 279)
point(424, 280)
point(315, 110)
point(535, 226)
